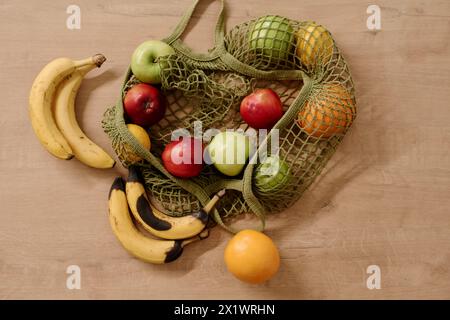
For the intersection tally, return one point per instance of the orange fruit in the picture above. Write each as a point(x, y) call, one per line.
point(142, 137)
point(140, 134)
point(252, 257)
point(329, 112)
point(314, 44)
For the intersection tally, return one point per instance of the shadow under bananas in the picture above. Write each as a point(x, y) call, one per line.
point(90, 84)
point(189, 259)
point(90, 181)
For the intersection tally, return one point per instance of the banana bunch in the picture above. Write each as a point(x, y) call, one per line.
point(52, 111)
point(176, 232)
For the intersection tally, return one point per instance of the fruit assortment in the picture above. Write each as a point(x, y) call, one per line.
point(166, 177)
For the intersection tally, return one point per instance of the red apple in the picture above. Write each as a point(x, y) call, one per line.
point(144, 105)
point(184, 158)
point(262, 109)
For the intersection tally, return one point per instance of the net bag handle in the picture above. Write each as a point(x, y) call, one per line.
point(219, 33)
point(217, 52)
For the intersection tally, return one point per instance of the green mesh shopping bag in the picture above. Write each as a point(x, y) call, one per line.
point(297, 59)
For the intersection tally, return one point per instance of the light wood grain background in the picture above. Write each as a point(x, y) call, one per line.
point(384, 198)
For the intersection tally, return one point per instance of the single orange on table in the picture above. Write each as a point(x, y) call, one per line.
point(328, 113)
point(252, 257)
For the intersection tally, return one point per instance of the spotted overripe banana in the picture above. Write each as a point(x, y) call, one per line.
point(147, 249)
point(158, 223)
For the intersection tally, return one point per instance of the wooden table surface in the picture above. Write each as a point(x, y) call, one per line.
point(384, 199)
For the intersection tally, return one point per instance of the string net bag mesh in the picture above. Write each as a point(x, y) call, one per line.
point(299, 60)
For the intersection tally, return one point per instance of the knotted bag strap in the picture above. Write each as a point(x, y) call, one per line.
point(219, 33)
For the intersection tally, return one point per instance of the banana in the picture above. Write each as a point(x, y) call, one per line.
point(41, 99)
point(146, 249)
point(158, 223)
point(64, 111)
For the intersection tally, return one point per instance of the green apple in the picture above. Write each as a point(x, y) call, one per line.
point(143, 60)
point(272, 36)
point(272, 175)
point(229, 152)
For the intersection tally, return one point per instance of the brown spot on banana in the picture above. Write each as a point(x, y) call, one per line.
point(117, 185)
point(201, 215)
point(133, 175)
point(175, 252)
point(146, 213)
point(139, 203)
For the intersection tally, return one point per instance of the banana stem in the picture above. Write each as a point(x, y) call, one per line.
point(209, 206)
point(85, 69)
point(212, 203)
point(202, 235)
point(96, 59)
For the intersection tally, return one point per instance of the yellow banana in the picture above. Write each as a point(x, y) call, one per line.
point(146, 249)
point(64, 110)
point(158, 223)
point(41, 100)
